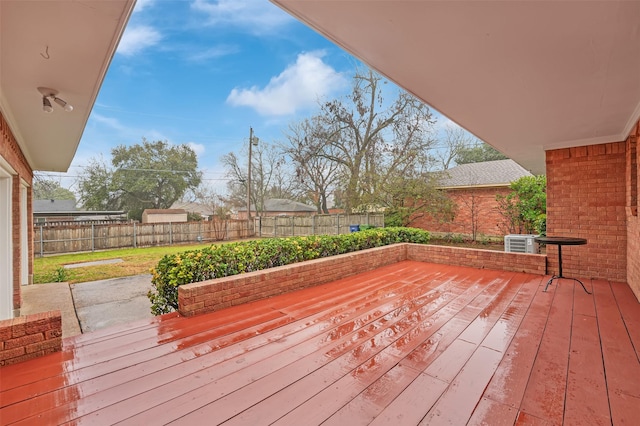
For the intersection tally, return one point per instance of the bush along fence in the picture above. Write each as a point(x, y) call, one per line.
point(335, 224)
point(225, 260)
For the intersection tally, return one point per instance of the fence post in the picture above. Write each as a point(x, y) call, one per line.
point(93, 242)
point(135, 242)
point(170, 233)
point(337, 224)
point(41, 243)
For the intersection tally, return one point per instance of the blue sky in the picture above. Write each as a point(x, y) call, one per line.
point(202, 72)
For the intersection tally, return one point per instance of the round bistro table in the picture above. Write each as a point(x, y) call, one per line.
point(562, 241)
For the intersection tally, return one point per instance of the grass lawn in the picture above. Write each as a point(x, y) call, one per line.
point(135, 261)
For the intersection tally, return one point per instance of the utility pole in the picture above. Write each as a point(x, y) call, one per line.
point(252, 141)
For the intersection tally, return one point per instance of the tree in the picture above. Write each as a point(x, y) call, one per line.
point(410, 198)
point(270, 177)
point(457, 142)
point(49, 189)
point(371, 140)
point(477, 154)
point(150, 175)
point(316, 173)
point(525, 209)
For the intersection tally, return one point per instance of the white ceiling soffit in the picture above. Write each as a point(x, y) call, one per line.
point(524, 76)
point(64, 45)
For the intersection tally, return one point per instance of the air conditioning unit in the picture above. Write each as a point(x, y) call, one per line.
point(521, 243)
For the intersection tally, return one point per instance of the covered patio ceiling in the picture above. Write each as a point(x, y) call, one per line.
point(524, 76)
point(62, 45)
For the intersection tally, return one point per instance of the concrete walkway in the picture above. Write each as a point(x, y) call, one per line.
point(92, 305)
point(38, 298)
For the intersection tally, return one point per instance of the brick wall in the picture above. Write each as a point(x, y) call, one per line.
point(481, 259)
point(30, 336)
point(483, 200)
point(633, 205)
point(213, 295)
point(12, 154)
point(586, 198)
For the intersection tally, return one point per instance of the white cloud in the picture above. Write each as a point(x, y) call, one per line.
point(254, 16)
point(299, 86)
point(198, 148)
point(213, 53)
point(143, 4)
point(138, 38)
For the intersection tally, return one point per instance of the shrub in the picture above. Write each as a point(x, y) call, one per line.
point(224, 260)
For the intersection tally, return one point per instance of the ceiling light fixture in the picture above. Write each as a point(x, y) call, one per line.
point(46, 105)
point(48, 94)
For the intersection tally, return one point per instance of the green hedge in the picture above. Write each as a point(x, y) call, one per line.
point(236, 258)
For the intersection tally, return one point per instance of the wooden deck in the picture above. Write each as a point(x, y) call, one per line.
point(411, 343)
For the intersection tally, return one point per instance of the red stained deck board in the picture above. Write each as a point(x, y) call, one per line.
point(305, 374)
point(369, 403)
point(457, 403)
point(621, 365)
point(586, 400)
point(545, 393)
point(411, 405)
point(250, 311)
point(630, 311)
point(129, 389)
point(355, 352)
point(489, 412)
point(510, 380)
point(263, 370)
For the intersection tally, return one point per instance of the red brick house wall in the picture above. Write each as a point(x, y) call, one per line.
point(586, 197)
point(632, 183)
point(12, 154)
point(490, 221)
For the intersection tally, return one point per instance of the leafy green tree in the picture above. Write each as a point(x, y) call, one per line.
point(49, 189)
point(525, 209)
point(477, 154)
point(150, 175)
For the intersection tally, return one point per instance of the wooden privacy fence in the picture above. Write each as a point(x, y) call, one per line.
point(49, 239)
point(78, 238)
point(289, 226)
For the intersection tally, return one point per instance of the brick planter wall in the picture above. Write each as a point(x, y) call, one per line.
point(213, 295)
point(30, 336)
point(481, 259)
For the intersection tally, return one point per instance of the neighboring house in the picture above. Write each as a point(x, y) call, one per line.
point(164, 215)
point(563, 106)
point(46, 211)
point(53, 210)
point(44, 50)
point(473, 188)
point(205, 211)
point(280, 207)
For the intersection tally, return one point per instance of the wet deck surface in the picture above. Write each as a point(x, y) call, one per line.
point(411, 343)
